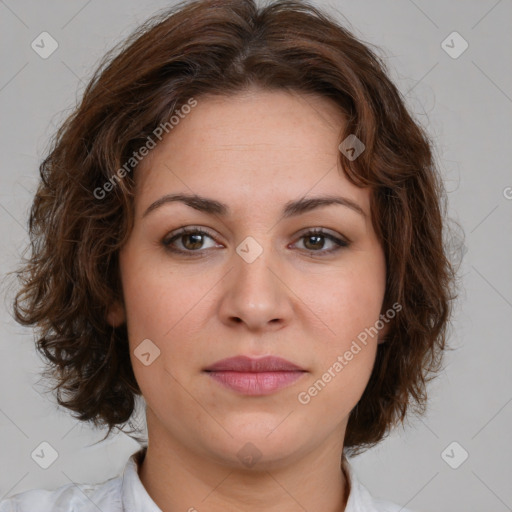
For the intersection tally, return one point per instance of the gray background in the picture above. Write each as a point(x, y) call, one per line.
point(465, 103)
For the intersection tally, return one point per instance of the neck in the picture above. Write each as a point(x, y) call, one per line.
point(178, 480)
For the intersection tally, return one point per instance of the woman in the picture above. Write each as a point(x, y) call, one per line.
point(241, 223)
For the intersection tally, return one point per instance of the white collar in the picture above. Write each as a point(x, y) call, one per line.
point(134, 496)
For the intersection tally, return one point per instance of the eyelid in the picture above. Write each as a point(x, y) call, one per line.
point(325, 232)
point(185, 230)
point(200, 229)
point(340, 241)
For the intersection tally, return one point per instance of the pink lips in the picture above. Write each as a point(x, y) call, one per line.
point(255, 376)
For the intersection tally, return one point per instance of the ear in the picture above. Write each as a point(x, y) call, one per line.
point(116, 314)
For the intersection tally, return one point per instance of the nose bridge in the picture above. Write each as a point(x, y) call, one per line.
point(255, 294)
point(254, 279)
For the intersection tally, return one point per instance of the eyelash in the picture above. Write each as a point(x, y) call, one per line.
point(166, 242)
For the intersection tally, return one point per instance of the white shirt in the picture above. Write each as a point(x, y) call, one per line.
point(125, 493)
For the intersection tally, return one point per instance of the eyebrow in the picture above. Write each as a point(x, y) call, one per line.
point(291, 209)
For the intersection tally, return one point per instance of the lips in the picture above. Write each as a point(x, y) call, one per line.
point(248, 376)
point(249, 365)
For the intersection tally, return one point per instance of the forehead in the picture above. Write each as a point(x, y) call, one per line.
point(252, 147)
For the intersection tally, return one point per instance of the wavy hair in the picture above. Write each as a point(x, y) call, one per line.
point(221, 47)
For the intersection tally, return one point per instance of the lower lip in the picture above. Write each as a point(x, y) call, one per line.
point(261, 383)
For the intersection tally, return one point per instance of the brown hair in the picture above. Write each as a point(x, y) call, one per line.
point(222, 47)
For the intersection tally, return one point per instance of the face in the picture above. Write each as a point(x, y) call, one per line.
point(251, 277)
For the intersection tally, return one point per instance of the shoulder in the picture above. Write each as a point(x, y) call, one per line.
point(360, 499)
point(123, 492)
point(105, 496)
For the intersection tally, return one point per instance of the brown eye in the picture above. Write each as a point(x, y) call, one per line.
point(315, 240)
point(190, 240)
point(196, 241)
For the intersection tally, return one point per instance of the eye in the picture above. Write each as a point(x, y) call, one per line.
point(314, 241)
point(191, 240)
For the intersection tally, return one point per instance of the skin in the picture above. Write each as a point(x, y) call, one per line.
point(254, 151)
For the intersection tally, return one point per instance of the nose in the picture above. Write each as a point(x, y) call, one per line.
point(255, 294)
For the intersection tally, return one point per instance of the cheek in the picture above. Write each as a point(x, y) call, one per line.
point(157, 297)
point(167, 308)
point(347, 302)
point(345, 350)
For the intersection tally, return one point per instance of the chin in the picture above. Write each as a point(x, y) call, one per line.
point(256, 454)
point(262, 442)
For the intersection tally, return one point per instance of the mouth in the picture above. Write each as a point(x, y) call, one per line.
point(255, 377)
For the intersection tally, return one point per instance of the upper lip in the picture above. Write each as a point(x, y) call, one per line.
point(248, 364)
